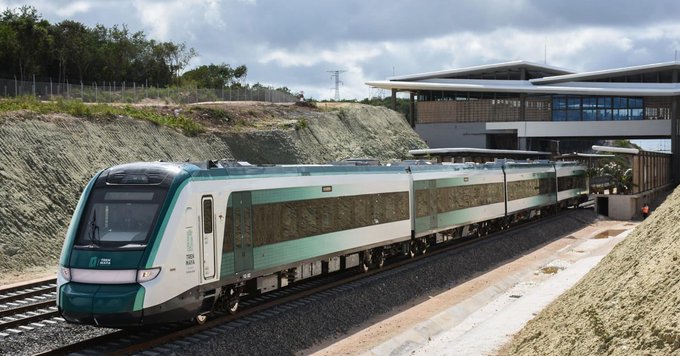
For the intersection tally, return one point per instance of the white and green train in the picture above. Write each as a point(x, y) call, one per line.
point(161, 242)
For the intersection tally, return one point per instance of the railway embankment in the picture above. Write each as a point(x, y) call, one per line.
point(47, 158)
point(628, 305)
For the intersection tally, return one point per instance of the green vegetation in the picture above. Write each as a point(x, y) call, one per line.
point(79, 109)
point(402, 104)
point(215, 76)
point(70, 52)
point(300, 124)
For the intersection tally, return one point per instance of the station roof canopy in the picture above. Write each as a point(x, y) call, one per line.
point(540, 79)
point(476, 154)
point(506, 68)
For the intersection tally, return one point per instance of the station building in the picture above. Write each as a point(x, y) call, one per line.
point(529, 106)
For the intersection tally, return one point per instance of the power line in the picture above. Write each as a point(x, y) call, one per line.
point(336, 76)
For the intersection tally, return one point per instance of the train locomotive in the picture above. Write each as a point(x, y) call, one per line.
point(162, 242)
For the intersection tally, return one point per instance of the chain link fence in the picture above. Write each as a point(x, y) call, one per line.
point(112, 92)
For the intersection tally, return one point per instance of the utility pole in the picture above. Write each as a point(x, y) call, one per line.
point(336, 75)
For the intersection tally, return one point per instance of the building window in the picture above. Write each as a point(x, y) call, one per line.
point(590, 108)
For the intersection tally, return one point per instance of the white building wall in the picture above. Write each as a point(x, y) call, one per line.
point(629, 129)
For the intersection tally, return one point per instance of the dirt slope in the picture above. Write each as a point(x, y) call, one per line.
point(46, 160)
point(628, 305)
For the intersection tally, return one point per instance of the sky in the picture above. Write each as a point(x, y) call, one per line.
point(297, 43)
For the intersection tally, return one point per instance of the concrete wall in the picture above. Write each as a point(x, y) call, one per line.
point(445, 135)
point(628, 129)
point(627, 207)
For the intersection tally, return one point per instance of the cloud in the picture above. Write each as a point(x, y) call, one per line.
point(165, 19)
point(73, 8)
point(294, 44)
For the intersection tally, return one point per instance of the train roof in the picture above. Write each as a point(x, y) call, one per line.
point(162, 173)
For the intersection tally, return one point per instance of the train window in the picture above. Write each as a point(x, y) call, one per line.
point(344, 211)
point(571, 182)
point(288, 222)
point(467, 196)
point(119, 217)
point(228, 244)
point(326, 219)
point(207, 216)
point(238, 233)
point(361, 216)
point(247, 227)
point(284, 221)
point(422, 202)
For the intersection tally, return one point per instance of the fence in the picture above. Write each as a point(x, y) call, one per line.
point(112, 92)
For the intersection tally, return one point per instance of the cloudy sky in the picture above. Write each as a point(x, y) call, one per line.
point(295, 43)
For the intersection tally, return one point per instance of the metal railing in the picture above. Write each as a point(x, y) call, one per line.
point(112, 92)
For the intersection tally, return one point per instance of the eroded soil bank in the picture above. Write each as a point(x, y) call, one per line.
point(46, 160)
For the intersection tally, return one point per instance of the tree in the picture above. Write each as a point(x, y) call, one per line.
point(30, 40)
point(177, 56)
point(72, 46)
point(30, 45)
point(215, 76)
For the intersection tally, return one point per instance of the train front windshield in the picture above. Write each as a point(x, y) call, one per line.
point(120, 217)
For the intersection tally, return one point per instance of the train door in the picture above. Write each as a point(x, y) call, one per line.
point(208, 238)
point(243, 231)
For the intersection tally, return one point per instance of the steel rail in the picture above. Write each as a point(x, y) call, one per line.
point(130, 341)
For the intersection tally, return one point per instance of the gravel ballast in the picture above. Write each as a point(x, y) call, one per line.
point(312, 322)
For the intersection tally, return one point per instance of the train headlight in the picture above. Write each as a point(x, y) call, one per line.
point(65, 272)
point(145, 275)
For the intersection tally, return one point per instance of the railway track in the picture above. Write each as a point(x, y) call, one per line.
point(24, 291)
point(25, 306)
point(166, 338)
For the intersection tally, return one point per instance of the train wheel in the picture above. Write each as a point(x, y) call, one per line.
point(422, 246)
point(232, 303)
point(365, 261)
point(412, 249)
point(200, 319)
point(380, 258)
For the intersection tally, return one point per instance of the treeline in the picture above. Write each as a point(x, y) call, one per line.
point(402, 104)
point(32, 47)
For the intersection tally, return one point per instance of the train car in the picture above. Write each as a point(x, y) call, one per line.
point(160, 242)
point(530, 188)
point(572, 183)
point(156, 242)
point(449, 200)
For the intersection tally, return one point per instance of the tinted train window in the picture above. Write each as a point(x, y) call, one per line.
point(119, 216)
point(458, 197)
point(572, 182)
point(207, 216)
point(277, 222)
point(530, 187)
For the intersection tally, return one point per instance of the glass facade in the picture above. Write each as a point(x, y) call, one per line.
point(592, 108)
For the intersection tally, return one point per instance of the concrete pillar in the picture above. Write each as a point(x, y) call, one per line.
point(523, 107)
point(675, 142)
point(394, 99)
point(522, 143)
point(412, 109)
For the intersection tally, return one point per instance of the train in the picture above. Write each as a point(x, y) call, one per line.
point(160, 242)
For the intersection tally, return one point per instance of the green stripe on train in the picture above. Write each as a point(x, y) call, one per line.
point(70, 238)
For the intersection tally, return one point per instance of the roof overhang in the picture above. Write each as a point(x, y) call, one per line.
point(463, 150)
point(600, 74)
point(630, 151)
point(482, 69)
point(510, 86)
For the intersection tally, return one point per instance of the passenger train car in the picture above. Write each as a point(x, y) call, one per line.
point(161, 242)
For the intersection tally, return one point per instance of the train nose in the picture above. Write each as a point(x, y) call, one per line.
point(111, 305)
